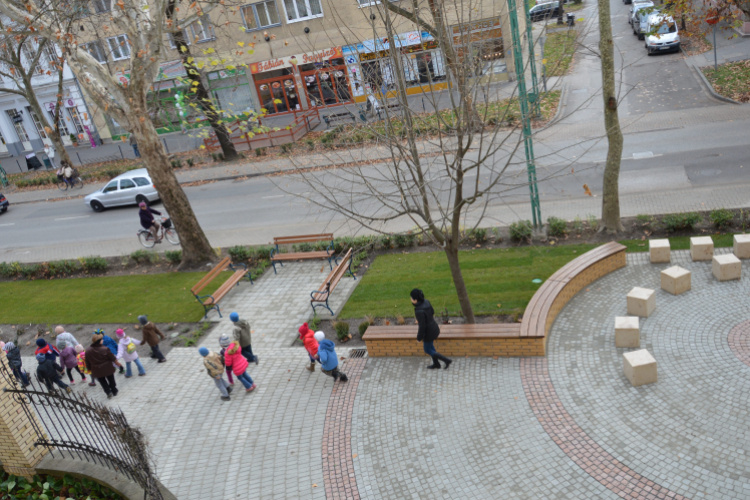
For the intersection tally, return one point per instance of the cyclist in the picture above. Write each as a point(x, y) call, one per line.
point(65, 173)
point(147, 220)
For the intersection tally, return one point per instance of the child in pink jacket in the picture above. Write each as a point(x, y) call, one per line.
point(234, 359)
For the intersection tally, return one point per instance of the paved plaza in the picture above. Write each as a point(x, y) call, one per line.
point(568, 426)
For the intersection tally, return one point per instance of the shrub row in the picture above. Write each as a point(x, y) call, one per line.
point(54, 269)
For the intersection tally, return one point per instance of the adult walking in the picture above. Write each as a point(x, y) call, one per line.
point(101, 362)
point(428, 329)
point(134, 143)
point(50, 152)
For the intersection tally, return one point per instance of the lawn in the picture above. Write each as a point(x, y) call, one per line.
point(559, 48)
point(117, 299)
point(731, 80)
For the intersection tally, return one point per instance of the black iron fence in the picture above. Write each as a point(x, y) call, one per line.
point(73, 424)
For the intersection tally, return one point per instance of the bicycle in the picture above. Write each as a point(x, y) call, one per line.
point(167, 231)
point(75, 182)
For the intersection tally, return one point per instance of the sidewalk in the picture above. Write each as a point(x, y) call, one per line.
point(727, 50)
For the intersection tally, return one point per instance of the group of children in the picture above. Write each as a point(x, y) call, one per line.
point(237, 353)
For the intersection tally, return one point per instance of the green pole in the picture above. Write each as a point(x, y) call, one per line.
point(532, 60)
point(3, 178)
point(536, 213)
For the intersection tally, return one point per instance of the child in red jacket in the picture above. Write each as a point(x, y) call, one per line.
point(311, 345)
point(234, 359)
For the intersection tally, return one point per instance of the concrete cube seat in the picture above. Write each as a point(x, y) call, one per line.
point(742, 246)
point(701, 248)
point(639, 367)
point(675, 280)
point(726, 267)
point(641, 302)
point(659, 251)
point(627, 331)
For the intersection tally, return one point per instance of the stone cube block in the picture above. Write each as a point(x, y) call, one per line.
point(627, 331)
point(675, 280)
point(641, 302)
point(659, 251)
point(639, 367)
point(726, 267)
point(742, 246)
point(701, 248)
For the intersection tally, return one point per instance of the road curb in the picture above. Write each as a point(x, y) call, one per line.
point(707, 85)
point(563, 95)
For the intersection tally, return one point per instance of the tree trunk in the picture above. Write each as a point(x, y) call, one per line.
point(451, 251)
point(611, 193)
point(54, 133)
point(196, 250)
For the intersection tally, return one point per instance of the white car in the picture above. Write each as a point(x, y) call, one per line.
point(663, 35)
point(638, 4)
point(129, 188)
point(641, 19)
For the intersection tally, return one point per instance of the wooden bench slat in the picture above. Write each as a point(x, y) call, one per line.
point(303, 238)
point(211, 301)
point(488, 330)
point(211, 275)
point(301, 255)
point(335, 276)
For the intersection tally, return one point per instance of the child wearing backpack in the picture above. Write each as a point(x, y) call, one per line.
point(328, 358)
point(126, 351)
point(69, 361)
point(81, 359)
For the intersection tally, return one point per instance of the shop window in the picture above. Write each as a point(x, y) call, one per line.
point(299, 10)
point(260, 15)
point(37, 123)
point(119, 47)
point(61, 124)
point(96, 49)
point(232, 94)
point(488, 56)
point(201, 30)
point(76, 119)
point(102, 6)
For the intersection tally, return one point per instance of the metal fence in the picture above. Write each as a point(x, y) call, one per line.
point(73, 425)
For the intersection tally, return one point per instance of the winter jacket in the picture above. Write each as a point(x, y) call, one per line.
point(81, 360)
point(147, 220)
point(428, 328)
point(242, 333)
point(66, 337)
point(14, 358)
point(214, 365)
point(110, 344)
point(99, 361)
point(151, 334)
point(327, 354)
point(68, 358)
point(122, 349)
point(234, 359)
point(310, 343)
point(49, 352)
point(46, 370)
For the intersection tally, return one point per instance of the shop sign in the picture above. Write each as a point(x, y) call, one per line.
point(383, 44)
point(226, 73)
point(486, 29)
point(371, 56)
point(429, 45)
point(306, 58)
point(17, 118)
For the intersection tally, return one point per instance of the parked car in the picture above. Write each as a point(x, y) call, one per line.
point(4, 203)
point(129, 188)
point(641, 19)
point(633, 8)
point(662, 34)
point(542, 11)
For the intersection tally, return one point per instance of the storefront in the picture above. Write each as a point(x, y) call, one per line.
point(482, 42)
point(231, 91)
point(295, 83)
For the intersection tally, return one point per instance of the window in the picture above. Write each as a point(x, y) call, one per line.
point(50, 54)
point(185, 36)
point(28, 54)
point(63, 128)
point(76, 120)
point(126, 184)
point(17, 120)
point(37, 123)
point(298, 10)
point(101, 6)
point(96, 49)
point(119, 47)
point(112, 186)
point(141, 181)
point(201, 30)
point(260, 15)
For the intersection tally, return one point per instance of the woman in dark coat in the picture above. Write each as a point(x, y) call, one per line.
point(428, 329)
point(101, 362)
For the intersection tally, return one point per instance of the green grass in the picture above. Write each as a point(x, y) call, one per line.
point(498, 280)
point(731, 80)
point(116, 299)
point(679, 243)
point(559, 48)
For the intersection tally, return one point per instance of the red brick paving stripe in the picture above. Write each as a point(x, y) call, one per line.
point(739, 341)
point(338, 463)
point(575, 443)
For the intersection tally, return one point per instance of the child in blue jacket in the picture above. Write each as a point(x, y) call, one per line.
point(110, 344)
point(327, 357)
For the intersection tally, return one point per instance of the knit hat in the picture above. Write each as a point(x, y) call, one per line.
point(224, 340)
point(96, 337)
point(303, 329)
point(41, 342)
point(320, 336)
point(40, 358)
point(417, 295)
point(9, 346)
point(79, 348)
point(234, 317)
point(120, 332)
point(142, 204)
point(203, 351)
point(142, 320)
point(59, 330)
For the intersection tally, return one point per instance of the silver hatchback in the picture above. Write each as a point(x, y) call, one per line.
point(129, 188)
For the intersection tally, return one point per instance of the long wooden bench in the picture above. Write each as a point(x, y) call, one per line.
point(211, 301)
point(319, 297)
point(280, 258)
point(528, 338)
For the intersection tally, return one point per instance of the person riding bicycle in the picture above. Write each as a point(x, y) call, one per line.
point(65, 172)
point(147, 220)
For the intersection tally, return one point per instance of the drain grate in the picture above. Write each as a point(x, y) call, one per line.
point(357, 353)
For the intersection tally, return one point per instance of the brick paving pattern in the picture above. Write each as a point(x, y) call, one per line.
point(739, 341)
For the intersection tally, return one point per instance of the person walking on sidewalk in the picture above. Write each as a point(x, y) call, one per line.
point(69, 362)
point(48, 374)
point(101, 363)
point(15, 362)
point(311, 345)
point(242, 335)
point(110, 344)
point(152, 335)
point(81, 359)
point(224, 342)
point(63, 338)
point(328, 358)
point(134, 143)
point(234, 359)
point(428, 329)
point(50, 152)
point(126, 351)
point(214, 364)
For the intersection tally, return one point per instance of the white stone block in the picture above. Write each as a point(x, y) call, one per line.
point(675, 280)
point(701, 248)
point(742, 246)
point(726, 267)
point(659, 251)
point(641, 302)
point(639, 367)
point(627, 331)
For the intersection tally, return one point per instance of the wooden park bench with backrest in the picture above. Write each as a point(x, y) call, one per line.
point(212, 301)
point(322, 294)
point(277, 256)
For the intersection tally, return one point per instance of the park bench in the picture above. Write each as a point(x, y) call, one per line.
point(394, 106)
point(323, 293)
point(212, 301)
point(277, 256)
point(343, 115)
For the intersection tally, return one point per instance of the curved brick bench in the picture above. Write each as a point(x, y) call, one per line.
point(528, 338)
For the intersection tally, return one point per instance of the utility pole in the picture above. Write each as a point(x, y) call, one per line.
point(523, 100)
point(534, 97)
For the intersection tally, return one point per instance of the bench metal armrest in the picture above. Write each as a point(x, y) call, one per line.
point(231, 266)
point(312, 294)
point(199, 297)
point(330, 247)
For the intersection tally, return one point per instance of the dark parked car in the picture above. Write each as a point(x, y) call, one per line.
point(4, 203)
point(542, 11)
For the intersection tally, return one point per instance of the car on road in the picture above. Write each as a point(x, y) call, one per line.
point(641, 19)
point(4, 203)
point(542, 11)
point(662, 35)
point(129, 188)
point(634, 7)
